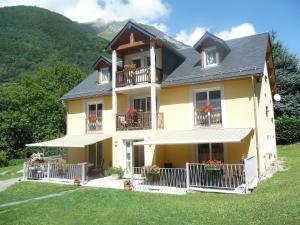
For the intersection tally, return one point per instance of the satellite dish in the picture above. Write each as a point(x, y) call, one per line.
point(277, 97)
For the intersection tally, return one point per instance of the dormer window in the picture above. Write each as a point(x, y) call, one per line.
point(104, 77)
point(210, 56)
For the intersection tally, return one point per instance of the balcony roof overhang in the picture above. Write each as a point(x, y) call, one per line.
point(75, 141)
point(198, 136)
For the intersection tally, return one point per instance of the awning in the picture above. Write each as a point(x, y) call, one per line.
point(79, 141)
point(198, 136)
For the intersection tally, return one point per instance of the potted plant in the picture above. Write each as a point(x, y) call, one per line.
point(214, 164)
point(152, 172)
point(127, 185)
point(92, 121)
point(207, 108)
point(131, 112)
point(77, 181)
point(243, 156)
point(115, 172)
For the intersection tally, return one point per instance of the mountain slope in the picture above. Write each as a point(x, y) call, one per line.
point(31, 38)
point(109, 30)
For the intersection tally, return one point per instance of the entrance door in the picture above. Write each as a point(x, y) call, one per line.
point(95, 155)
point(134, 155)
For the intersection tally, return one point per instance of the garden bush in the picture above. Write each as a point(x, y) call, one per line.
point(288, 129)
point(3, 159)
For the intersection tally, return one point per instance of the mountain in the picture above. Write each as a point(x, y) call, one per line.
point(32, 38)
point(110, 29)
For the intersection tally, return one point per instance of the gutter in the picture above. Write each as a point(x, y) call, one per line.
point(256, 125)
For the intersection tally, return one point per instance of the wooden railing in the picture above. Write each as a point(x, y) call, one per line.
point(208, 118)
point(226, 176)
point(137, 76)
point(50, 170)
point(94, 125)
point(139, 120)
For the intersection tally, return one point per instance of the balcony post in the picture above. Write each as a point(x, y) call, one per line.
point(114, 94)
point(153, 85)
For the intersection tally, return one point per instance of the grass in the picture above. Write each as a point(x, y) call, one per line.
point(275, 201)
point(27, 190)
point(11, 171)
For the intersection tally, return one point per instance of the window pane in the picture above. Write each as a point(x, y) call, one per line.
point(99, 110)
point(105, 75)
point(147, 61)
point(137, 62)
point(92, 109)
point(148, 104)
point(215, 99)
point(217, 151)
point(92, 154)
point(210, 56)
point(140, 104)
point(99, 153)
point(201, 99)
point(203, 153)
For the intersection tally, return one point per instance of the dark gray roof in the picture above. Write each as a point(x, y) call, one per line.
point(89, 87)
point(246, 58)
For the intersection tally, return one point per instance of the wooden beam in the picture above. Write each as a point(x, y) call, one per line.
point(130, 45)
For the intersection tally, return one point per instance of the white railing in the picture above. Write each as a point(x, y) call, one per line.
point(225, 176)
point(50, 170)
point(167, 177)
point(250, 171)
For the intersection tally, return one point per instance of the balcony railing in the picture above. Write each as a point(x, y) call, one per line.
point(137, 76)
point(94, 124)
point(208, 118)
point(138, 121)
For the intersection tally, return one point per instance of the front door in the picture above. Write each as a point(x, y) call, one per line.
point(134, 156)
point(95, 155)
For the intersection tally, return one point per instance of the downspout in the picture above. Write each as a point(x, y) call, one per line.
point(256, 126)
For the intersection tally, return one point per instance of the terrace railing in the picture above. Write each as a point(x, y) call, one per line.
point(225, 176)
point(208, 118)
point(50, 170)
point(137, 76)
point(138, 121)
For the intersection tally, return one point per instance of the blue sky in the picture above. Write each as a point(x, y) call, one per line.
point(188, 20)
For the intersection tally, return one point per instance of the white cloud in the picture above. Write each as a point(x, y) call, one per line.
point(192, 36)
point(108, 10)
point(242, 30)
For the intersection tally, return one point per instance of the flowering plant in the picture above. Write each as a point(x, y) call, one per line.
point(152, 172)
point(130, 67)
point(92, 118)
point(243, 156)
point(213, 164)
point(207, 108)
point(131, 111)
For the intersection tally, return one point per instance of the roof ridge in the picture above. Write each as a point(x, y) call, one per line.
point(257, 34)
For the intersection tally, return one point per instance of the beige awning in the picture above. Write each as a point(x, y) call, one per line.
point(79, 141)
point(198, 136)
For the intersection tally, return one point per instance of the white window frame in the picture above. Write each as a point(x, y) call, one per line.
point(131, 105)
point(86, 104)
point(101, 76)
point(204, 53)
point(215, 88)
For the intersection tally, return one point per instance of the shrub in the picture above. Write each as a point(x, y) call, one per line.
point(288, 129)
point(3, 159)
point(115, 170)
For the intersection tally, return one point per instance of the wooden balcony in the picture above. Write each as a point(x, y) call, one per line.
point(138, 121)
point(93, 124)
point(213, 118)
point(137, 76)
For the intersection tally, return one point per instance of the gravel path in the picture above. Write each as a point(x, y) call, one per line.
point(6, 183)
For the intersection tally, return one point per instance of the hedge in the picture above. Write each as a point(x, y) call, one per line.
point(288, 129)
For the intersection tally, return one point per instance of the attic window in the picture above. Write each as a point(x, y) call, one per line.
point(104, 78)
point(210, 56)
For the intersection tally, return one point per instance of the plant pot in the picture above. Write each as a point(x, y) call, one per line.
point(77, 182)
point(115, 176)
point(127, 187)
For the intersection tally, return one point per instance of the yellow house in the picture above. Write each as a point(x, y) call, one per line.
point(153, 103)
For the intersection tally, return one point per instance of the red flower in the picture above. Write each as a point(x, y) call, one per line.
point(131, 111)
point(207, 108)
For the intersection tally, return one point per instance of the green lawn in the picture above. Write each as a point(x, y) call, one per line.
point(12, 170)
point(275, 201)
point(28, 190)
